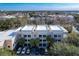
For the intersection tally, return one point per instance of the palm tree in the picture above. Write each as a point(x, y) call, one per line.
point(34, 42)
point(21, 41)
point(73, 38)
point(49, 40)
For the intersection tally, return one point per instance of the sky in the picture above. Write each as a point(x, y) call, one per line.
point(38, 6)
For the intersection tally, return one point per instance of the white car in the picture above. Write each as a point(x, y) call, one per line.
point(46, 51)
point(28, 51)
point(19, 50)
point(23, 50)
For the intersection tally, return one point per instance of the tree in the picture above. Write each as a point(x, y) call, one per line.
point(64, 49)
point(6, 52)
point(34, 42)
point(49, 40)
point(68, 27)
point(73, 38)
point(76, 16)
point(12, 23)
point(21, 41)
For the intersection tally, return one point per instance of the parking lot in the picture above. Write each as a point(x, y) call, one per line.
point(33, 51)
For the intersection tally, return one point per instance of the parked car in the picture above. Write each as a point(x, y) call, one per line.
point(23, 51)
point(19, 50)
point(28, 51)
point(41, 51)
point(46, 52)
point(37, 51)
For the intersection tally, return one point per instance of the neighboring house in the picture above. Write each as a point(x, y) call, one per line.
point(7, 39)
point(41, 31)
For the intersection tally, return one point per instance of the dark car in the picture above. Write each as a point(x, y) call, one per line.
point(34, 50)
point(37, 51)
point(41, 51)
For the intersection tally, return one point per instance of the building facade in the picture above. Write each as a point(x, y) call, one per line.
point(8, 39)
point(29, 32)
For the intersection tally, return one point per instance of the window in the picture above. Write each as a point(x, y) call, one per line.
point(40, 44)
point(49, 35)
point(28, 40)
point(59, 35)
point(44, 35)
point(40, 35)
point(59, 40)
point(44, 40)
point(40, 40)
point(8, 46)
point(44, 44)
point(25, 35)
point(28, 45)
point(25, 44)
point(29, 35)
point(55, 35)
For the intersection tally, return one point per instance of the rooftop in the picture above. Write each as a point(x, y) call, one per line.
point(44, 27)
point(41, 27)
point(18, 29)
point(28, 27)
point(54, 27)
point(5, 35)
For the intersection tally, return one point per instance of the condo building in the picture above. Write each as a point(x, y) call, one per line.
point(30, 32)
point(9, 38)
